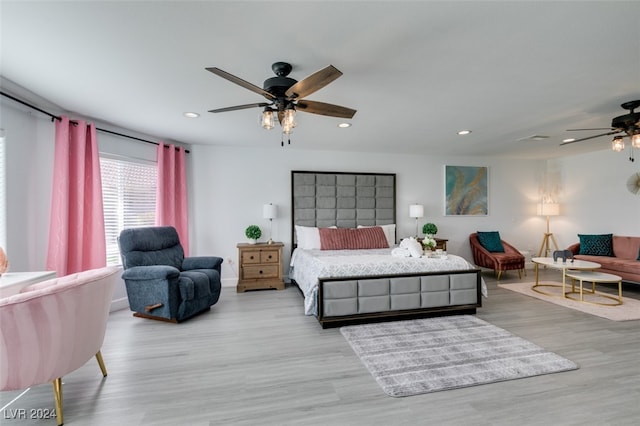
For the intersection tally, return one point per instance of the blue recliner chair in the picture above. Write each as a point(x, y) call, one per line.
point(161, 283)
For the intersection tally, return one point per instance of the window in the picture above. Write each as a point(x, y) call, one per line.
point(129, 197)
point(3, 192)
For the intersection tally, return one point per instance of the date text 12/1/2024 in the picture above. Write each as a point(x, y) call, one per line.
point(31, 413)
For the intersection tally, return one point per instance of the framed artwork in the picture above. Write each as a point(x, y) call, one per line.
point(465, 191)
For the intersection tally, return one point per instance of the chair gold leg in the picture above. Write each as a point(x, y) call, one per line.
point(103, 368)
point(499, 274)
point(57, 393)
point(520, 273)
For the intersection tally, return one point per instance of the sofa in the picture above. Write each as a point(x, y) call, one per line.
point(618, 254)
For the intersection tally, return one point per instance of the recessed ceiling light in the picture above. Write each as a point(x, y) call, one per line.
point(569, 140)
point(191, 114)
point(464, 132)
point(344, 125)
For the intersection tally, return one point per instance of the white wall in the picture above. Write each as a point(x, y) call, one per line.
point(594, 197)
point(228, 187)
point(232, 184)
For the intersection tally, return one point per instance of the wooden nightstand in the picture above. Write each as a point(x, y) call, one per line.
point(259, 266)
point(441, 243)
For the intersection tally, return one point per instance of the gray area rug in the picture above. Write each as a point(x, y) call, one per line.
point(428, 355)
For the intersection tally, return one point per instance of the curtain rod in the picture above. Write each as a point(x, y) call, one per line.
point(55, 117)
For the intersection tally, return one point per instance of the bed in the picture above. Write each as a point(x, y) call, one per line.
point(354, 285)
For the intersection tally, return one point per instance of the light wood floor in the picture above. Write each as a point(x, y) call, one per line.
point(255, 359)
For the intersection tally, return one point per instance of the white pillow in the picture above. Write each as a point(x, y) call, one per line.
point(308, 238)
point(389, 232)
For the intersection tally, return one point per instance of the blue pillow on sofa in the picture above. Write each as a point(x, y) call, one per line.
point(596, 245)
point(491, 241)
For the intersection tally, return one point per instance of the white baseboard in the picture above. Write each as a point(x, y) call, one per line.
point(119, 304)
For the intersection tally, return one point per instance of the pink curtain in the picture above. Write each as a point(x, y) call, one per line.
point(171, 199)
point(76, 228)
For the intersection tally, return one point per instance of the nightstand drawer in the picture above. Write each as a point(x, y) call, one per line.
point(269, 256)
point(250, 257)
point(262, 271)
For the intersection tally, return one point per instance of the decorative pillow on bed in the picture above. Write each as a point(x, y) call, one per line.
point(352, 238)
point(308, 238)
point(491, 241)
point(596, 245)
point(389, 232)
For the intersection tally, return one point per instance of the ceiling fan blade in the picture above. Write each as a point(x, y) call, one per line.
point(591, 137)
point(240, 82)
point(313, 83)
point(322, 108)
point(596, 128)
point(237, 107)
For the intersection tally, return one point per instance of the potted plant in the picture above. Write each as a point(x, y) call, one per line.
point(429, 229)
point(253, 232)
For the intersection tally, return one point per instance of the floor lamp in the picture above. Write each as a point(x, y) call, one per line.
point(269, 211)
point(548, 209)
point(416, 211)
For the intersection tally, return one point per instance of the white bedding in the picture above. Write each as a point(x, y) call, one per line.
point(309, 265)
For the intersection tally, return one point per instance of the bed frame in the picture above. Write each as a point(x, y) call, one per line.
point(323, 199)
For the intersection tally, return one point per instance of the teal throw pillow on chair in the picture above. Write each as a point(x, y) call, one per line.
point(491, 241)
point(596, 245)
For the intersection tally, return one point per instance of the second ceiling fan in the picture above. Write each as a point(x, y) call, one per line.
point(285, 95)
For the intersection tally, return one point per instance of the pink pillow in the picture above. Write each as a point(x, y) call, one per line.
point(352, 238)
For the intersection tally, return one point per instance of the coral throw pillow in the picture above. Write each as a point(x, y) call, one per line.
point(352, 238)
point(491, 241)
point(596, 245)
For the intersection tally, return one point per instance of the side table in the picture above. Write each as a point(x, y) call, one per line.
point(259, 266)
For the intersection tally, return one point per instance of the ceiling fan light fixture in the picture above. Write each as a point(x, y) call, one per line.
point(635, 140)
point(268, 118)
point(289, 119)
point(617, 144)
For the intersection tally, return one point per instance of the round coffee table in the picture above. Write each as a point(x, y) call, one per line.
point(596, 277)
point(574, 264)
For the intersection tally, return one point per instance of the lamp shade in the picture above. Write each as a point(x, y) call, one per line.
point(269, 211)
point(549, 209)
point(416, 210)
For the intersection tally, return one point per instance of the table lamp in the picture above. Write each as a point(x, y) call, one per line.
point(416, 211)
point(269, 211)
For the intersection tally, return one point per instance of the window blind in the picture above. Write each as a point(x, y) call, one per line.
point(129, 198)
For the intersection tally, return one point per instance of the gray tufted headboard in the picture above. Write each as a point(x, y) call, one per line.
point(346, 200)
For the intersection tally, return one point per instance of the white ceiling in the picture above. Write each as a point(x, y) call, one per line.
point(416, 71)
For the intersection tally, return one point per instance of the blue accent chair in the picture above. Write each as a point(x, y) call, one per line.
point(161, 283)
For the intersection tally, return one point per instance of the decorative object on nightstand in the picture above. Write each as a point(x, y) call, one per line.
point(416, 211)
point(252, 233)
point(270, 211)
point(548, 209)
point(429, 229)
point(260, 266)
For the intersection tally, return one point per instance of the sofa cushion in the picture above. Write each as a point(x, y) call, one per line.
point(596, 245)
point(626, 247)
point(491, 241)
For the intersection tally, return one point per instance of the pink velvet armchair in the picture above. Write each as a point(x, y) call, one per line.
point(52, 328)
point(509, 259)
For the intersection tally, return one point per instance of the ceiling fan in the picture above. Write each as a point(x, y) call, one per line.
point(627, 125)
point(285, 96)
